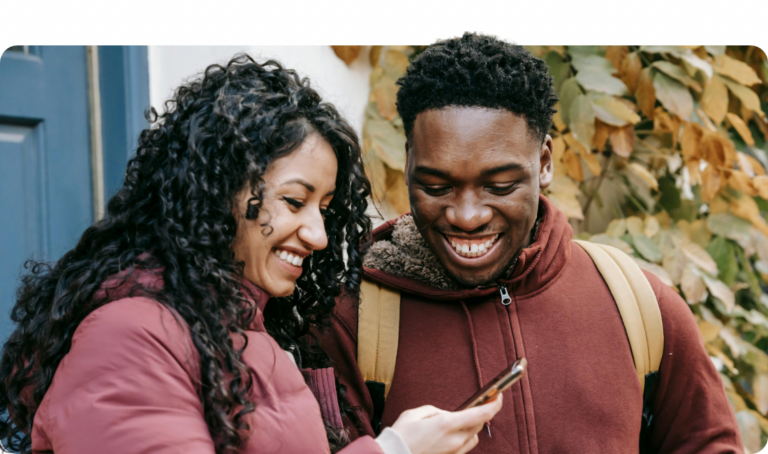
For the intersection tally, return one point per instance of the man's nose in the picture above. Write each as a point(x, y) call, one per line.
point(468, 213)
point(312, 232)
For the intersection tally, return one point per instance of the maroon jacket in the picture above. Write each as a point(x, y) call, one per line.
point(580, 393)
point(130, 384)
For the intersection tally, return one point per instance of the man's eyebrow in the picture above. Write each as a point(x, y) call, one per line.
point(504, 168)
point(432, 171)
point(306, 184)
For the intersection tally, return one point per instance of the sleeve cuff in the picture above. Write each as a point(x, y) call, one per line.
point(392, 443)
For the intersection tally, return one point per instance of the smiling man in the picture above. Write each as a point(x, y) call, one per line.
point(486, 273)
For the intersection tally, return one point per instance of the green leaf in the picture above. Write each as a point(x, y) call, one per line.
point(715, 50)
point(582, 120)
point(601, 81)
point(592, 62)
point(558, 68)
point(722, 292)
point(677, 73)
point(568, 92)
point(673, 95)
point(602, 238)
point(748, 98)
point(731, 227)
point(670, 194)
point(662, 49)
point(646, 247)
point(612, 111)
point(723, 254)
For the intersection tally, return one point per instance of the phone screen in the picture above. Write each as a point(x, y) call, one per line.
point(504, 380)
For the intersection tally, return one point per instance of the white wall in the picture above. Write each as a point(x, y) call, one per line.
point(345, 86)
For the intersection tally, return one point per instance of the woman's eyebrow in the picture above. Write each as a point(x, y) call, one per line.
point(302, 182)
point(306, 184)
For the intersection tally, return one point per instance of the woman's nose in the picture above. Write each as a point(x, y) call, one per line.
point(312, 232)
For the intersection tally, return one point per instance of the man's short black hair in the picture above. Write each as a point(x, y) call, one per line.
point(478, 71)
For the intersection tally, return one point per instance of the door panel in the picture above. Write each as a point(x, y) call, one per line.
point(45, 177)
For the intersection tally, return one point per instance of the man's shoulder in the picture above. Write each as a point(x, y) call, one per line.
point(346, 312)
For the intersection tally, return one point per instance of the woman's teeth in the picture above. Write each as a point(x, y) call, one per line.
point(289, 258)
point(474, 249)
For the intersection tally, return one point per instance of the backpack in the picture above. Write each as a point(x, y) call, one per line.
point(378, 328)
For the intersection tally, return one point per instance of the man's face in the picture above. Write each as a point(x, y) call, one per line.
point(474, 177)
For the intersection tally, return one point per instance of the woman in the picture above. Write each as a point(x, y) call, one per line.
point(151, 334)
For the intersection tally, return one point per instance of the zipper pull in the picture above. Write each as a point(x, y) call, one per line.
point(505, 299)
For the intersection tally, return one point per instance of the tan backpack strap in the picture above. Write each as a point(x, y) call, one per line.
point(378, 332)
point(636, 303)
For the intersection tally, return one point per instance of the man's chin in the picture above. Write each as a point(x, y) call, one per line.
point(472, 280)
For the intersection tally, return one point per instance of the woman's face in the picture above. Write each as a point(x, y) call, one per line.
point(298, 189)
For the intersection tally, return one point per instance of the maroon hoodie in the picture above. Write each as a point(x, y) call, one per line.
point(580, 393)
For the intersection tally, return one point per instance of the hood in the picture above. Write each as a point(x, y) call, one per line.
point(400, 258)
point(133, 282)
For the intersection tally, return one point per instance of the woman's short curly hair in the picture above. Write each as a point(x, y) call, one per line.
point(478, 71)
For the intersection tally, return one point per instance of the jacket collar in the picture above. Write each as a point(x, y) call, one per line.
point(536, 265)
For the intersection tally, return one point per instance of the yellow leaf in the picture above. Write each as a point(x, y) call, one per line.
point(742, 128)
point(691, 140)
point(616, 55)
point(692, 285)
point(711, 179)
point(645, 93)
point(761, 185)
point(623, 140)
point(384, 94)
point(613, 112)
point(651, 226)
point(558, 150)
point(644, 175)
point(736, 70)
point(663, 122)
point(377, 174)
point(593, 163)
point(347, 54)
point(374, 55)
point(660, 272)
point(746, 208)
point(719, 290)
point(395, 63)
point(700, 257)
point(630, 71)
point(573, 165)
point(616, 228)
point(567, 203)
point(718, 150)
point(557, 119)
point(760, 388)
point(634, 225)
point(714, 100)
point(748, 98)
point(709, 331)
point(673, 95)
point(740, 181)
point(750, 165)
point(601, 135)
point(397, 192)
point(678, 73)
point(574, 144)
point(582, 117)
point(693, 171)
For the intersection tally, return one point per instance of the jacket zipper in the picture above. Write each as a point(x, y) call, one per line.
point(505, 298)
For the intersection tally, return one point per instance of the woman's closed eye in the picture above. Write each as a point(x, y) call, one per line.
point(293, 203)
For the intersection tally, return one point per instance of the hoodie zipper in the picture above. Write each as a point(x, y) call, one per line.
point(505, 298)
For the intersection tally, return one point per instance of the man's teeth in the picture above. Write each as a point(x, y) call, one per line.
point(474, 249)
point(289, 258)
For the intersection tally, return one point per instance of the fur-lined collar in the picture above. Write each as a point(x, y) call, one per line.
point(406, 254)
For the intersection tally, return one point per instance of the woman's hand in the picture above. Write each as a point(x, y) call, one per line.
point(429, 430)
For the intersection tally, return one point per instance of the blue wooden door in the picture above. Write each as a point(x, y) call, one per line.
point(45, 166)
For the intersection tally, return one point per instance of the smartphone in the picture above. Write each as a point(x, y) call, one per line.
point(504, 380)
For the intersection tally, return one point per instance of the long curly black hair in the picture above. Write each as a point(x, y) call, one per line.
point(218, 135)
point(478, 71)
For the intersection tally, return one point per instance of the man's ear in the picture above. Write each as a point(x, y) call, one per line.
point(546, 170)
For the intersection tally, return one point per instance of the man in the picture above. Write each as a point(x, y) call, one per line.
point(487, 274)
